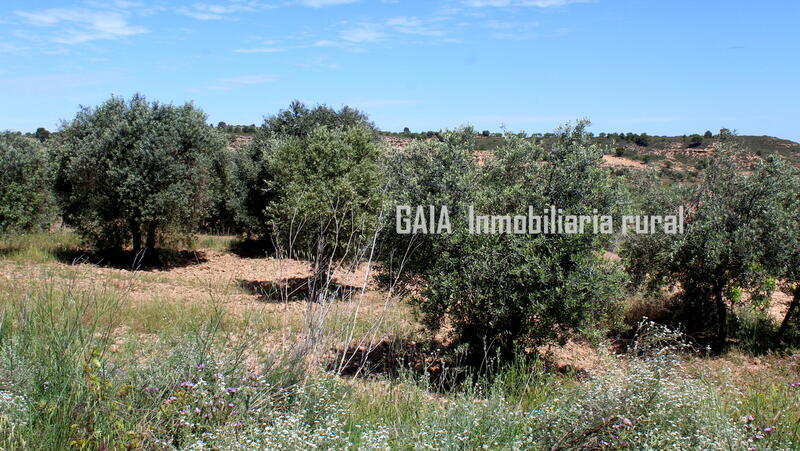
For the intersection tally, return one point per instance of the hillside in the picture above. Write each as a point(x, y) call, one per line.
point(677, 158)
point(674, 157)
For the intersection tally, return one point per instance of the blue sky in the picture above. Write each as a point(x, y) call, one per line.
point(661, 67)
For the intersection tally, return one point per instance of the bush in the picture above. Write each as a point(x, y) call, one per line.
point(299, 120)
point(325, 191)
point(26, 197)
point(438, 173)
point(227, 213)
point(735, 239)
point(509, 292)
point(295, 123)
point(133, 169)
point(642, 140)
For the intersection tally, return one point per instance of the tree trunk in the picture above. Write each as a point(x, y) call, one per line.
point(722, 320)
point(789, 312)
point(151, 237)
point(136, 235)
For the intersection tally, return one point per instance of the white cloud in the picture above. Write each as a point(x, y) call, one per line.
point(537, 3)
point(81, 25)
point(199, 15)
point(413, 25)
point(320, 3)
point(216, 11)
point(326, 43)
point(226, 84)
point(515, 30)
point(6, 47)
point(261, 50)
point(364, 32)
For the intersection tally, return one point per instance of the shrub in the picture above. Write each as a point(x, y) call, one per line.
point(735, 238)
point(26, 197)
point(510, 291)
point(325, 191)
point(42, 134)
point(642, 140)
point(295, 123)
point(227, 213)
point(133, 169)
point(648, 402)
point(299, 120)
point(695, 141)
point(438, 173)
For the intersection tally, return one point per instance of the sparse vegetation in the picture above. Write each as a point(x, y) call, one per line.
point(346, 335)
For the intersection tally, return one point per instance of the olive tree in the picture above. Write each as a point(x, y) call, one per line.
point(299, 120)
point(254, 166)
point(779, 237)
point(134, 171)
point(509, 292)
point(441, 172)
point(735, 239)
point(26, 196)
point(325, 196)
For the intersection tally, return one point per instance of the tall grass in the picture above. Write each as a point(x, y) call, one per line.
point(83, 366)
point(38, 247)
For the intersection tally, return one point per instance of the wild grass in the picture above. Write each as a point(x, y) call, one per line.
point(93, 364)
point(41, 247)
point(218, 243)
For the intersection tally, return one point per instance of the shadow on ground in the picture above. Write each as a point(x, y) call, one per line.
point(292, 289)
point(393, 358)
point(124, 259)
point(250, 248)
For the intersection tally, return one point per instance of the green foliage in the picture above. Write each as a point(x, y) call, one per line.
point(735, 238)
point(26, 196)
point(695, 141)
point(128, 169)
point(319, 194)
point(290, 127)
point(438, 173)
point(42, 134)
point(642, 140)
point(230, 174)
point(325, 189)
point(299, 120)
point(513, 291)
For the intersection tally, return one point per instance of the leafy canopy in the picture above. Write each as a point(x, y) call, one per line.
point(128, 169)
point(26, 197)
point(508, 292)
point(738, 235)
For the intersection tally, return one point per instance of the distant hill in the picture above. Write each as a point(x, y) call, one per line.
point(678, 158)
point(674, 157)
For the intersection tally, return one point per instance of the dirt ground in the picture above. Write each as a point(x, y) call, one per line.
point(238, 283)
